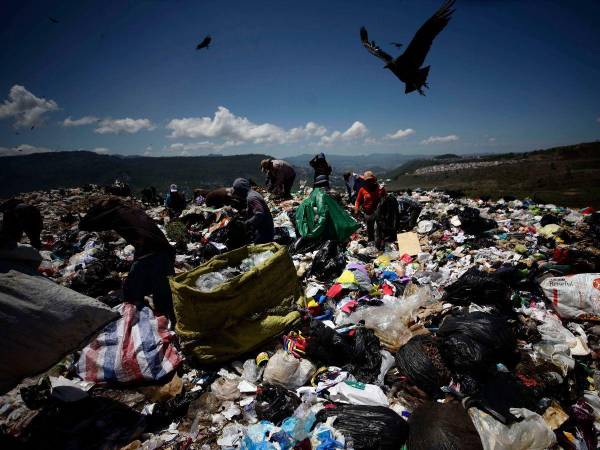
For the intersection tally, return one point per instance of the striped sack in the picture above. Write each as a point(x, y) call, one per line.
point(135, 347)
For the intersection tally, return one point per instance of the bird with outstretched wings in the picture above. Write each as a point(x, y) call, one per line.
point(407, 66)
point(205, 43)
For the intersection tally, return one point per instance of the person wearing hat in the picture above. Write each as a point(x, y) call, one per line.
point(280, 176)
point(259, 221)
point(154, 258)
point(175, 201)
point(322, 170)
point(367, 200)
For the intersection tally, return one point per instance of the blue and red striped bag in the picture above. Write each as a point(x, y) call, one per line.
point(137, 346)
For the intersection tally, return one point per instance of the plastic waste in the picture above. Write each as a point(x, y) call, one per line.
point(478, 287)
point(391, 320)
point(369, 427)
point(531, 433)
point(421, 362)
point(285, 370)
point(274, 403)
point(358, 393)
point(574, 296)
point(477, 339)
point(226, 388)
point(442, 426)
point(329, 261)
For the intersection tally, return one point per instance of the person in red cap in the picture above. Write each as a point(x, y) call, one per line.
point(367, 200)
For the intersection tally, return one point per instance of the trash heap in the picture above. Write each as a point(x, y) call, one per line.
point(476, 327)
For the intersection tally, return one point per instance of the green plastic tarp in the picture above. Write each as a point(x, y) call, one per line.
point(240, 314)
point(330, 221)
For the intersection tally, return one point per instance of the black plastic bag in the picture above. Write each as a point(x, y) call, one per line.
point(329, 262)
point(472, 222)
point(360, 354)
point(420, 361)
point(442, 426)
point(91, 423)
point(274, 403)
point(479, 287)
point(366, 356)
point(282, 236)
point(304, 245)
point(369, 427)
point(327, 346)
point(475, 340)
point(409, 214)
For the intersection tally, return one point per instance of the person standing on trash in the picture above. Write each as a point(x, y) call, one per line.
point(280, 176)
point(154, 257)
point(353, 182)
point(175, 201)
point(367, 200)
point(322, 170)
point(259, 221)
point(19, 218)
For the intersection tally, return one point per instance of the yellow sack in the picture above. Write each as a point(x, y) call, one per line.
point(241, 313)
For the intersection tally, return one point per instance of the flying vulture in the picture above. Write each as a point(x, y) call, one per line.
point(52, 19)
point(205, 43)
point(407, 66)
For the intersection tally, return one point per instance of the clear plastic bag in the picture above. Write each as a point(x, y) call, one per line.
point(287, 371)
point(532, 433)
point(226, 388)
point(391, 320)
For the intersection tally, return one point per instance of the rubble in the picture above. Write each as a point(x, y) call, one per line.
point(476, 327)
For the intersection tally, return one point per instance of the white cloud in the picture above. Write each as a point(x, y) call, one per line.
point(85, 120)
point(126, 125)
point(27, 109)
point(400, 134)
point(101, 151)
point(23, 149)
point(236, 130)
point(492, 139)
point(440, 139)
point(371, 141)
point(356, 131)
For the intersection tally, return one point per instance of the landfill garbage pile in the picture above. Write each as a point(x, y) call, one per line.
point(477, 326)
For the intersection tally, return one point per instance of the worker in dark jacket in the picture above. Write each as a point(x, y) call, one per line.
point(153, 258)
point(259, 221)
point(175, 201)
point(19, 218)
point(280, 176)
point(322, 170)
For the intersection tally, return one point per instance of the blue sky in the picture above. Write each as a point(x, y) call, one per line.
point(286, 78)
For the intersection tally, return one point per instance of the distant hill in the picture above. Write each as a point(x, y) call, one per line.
point(377, 162)
point(568, 176)
point(76, 168)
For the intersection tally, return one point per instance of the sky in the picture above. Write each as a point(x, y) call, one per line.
point(288, 77)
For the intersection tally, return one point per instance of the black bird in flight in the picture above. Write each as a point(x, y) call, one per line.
point(396, 44)
point(407, 66)
point(52, 19)
point(205, 43)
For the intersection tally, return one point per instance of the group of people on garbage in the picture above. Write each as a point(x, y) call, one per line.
point(439, 322)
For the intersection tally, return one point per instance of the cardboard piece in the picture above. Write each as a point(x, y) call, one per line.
point(408, 243)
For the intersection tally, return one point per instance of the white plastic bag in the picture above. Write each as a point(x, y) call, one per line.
point(532, 433)
point(285, 370)
point(574, 296)
point(358, 394)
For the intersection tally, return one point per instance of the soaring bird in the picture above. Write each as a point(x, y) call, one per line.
point(205, 43)
point(396, 44)
point(407, 66)
point(52, 19)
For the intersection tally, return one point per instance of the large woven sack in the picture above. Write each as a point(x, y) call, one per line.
point(42, 322)
point(241, 313)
